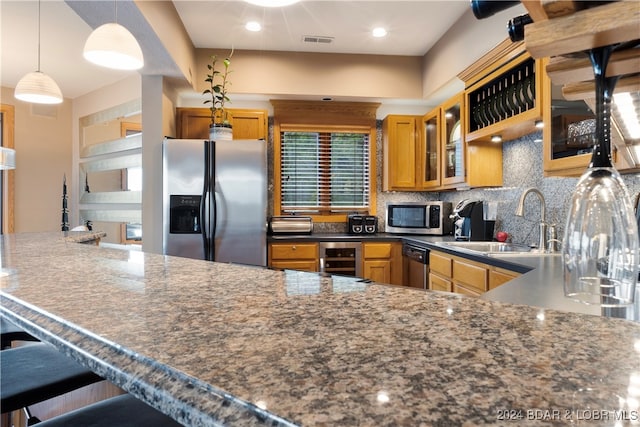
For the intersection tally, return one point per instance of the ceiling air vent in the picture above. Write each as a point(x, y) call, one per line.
point(317, 39)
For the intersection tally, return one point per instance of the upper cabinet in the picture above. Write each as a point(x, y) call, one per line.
point(193, 123)
point(401, 153)
point(430, 153)
point(452, 162)
point(503, 95)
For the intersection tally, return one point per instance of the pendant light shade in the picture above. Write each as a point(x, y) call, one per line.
point(39, 88)
point(113, 46)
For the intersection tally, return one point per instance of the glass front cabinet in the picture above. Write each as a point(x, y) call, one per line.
point(452, 139)
point(431, 150)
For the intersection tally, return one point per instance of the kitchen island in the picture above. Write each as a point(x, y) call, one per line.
point(221, 344)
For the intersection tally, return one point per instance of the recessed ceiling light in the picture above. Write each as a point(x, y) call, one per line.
point(272, 3)
point(253, 26)
point(379, 32)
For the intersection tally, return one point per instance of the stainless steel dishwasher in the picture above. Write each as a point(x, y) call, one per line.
point(415, 265)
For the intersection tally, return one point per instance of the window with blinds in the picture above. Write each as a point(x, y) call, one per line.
point(324, 172)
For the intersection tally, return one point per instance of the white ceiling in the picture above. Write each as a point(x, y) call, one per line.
point(413, 26)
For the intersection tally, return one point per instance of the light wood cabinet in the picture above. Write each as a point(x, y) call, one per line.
point(452, 141)
point(382, 262)
point(503, 94)
point(193, 123)
point(401, 153)
point(470, 277)
point(294, 256)
point(438, 283)
point(430, 153)
point(440, 268)
point(459, 164)
point(431, 149)
point(500, 276)
point(461, 275)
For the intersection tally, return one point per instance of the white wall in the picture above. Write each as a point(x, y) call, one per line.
point(43, 156)
point(465, 42)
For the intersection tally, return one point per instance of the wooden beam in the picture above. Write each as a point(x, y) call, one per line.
point(562, 70)
point(598, 26)
point(584, 90)
point(535, 10)
point(558, 8)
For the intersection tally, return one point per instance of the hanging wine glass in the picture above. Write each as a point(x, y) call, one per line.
point(600, 249)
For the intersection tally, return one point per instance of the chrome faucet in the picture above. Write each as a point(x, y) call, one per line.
point(542, 240)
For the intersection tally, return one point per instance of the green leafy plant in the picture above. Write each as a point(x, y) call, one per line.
point(218, 88)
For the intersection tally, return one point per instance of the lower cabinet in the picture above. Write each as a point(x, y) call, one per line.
point(294, 256)
point(382, 262)
point(499, 276)
point(452, 273)
point(440, 267)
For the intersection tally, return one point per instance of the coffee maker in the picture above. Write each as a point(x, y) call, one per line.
point(469, 221)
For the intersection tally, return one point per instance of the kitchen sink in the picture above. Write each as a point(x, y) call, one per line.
point(496, 249)
point(488, 247)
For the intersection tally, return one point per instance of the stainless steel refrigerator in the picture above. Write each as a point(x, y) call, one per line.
point(215, 200)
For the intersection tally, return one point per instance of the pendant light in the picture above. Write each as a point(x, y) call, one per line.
point(37, 87)
point(111, 45)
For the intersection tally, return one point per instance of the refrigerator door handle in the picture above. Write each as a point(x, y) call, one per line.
point(204, 223)
point(212, 203)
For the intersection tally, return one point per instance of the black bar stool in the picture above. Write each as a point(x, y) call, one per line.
point(120, 411)
point(9, 332)
point(36, 372)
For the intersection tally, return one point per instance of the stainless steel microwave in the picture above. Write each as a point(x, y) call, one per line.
point(430, 218)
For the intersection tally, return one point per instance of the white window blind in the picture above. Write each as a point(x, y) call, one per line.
point(323, 172)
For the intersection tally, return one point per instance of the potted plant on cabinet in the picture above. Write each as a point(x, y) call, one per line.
point(218, 80)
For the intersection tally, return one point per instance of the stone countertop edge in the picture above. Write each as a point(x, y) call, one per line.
point(110, 361)
point(206, 342)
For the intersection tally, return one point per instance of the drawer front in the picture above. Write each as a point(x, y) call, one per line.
point(377, 250)
point(471, 275)
point(437, 283)
point(461, 289)
point(498, 277)
point(440, 264)
point(295, 265)
point(294, 251)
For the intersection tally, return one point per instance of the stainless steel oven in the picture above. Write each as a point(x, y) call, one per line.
point(415, 264)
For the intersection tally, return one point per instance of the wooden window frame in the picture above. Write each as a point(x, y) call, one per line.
point(8, 192)
point(313, 116)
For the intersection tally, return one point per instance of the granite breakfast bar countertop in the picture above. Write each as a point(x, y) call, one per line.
point(222, 344)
